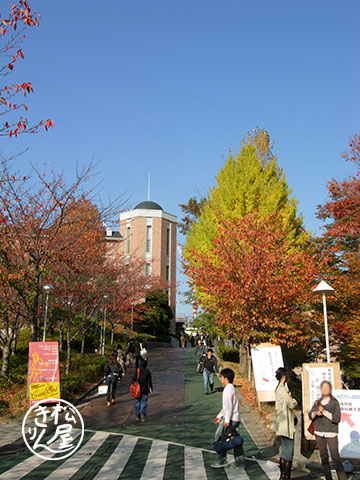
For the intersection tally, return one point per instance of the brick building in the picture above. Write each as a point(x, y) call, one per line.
point(149, 233)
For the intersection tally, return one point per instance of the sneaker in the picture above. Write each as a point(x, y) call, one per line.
point(219, 463)
point(142, 417)
point(108, 404)
point(137, 419)
point(113, 401)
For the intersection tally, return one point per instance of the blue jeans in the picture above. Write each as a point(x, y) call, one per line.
point(141, 405)
point(287, 448)
point(208, 379)
point(111, 382)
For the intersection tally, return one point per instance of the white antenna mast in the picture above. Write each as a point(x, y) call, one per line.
point(149, 181)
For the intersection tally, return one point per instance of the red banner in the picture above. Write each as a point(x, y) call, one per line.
point(43, 373)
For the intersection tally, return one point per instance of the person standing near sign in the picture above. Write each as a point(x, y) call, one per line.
point(326, 416)
point(285, 419)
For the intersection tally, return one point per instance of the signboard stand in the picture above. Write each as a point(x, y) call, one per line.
point(349, 428)
point(312, 376)
point(43, 371)
point(266, 359)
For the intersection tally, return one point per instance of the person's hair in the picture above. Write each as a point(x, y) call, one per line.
point(119, 347)
point(326, 382)
point(228, 373)
point(112, 360)
point(210, 350)
point(282, 372)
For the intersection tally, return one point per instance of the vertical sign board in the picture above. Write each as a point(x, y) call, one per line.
point(349, 428)
point(312, 376)
point(266, 359)
point(43, 371)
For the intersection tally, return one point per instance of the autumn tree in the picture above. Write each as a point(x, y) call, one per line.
point(12, 35)
point(254, 281)
point(341, 242)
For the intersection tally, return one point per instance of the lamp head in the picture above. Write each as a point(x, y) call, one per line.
point(323, 287)
point(47, 288)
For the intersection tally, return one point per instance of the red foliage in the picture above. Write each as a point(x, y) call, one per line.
point(254, 282)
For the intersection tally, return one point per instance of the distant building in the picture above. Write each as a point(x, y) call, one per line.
point(149, 233)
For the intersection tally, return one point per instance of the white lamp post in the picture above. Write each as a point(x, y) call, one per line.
point(46, 289)
point(132, 320)
point(103, 330)
point(324, 289)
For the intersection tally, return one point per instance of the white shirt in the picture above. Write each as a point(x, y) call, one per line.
point(230, 405)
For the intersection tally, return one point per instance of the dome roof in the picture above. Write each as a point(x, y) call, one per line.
point(148, 205)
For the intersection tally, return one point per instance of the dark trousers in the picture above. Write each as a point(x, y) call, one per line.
point(111, 383)
point(238, 451)
point(333, 445)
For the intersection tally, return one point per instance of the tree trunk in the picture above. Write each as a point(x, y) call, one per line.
point(6, 352)
point(68, 347)
point(83, 343)
point(243, 356)
point(61, 329)
point(112, 335)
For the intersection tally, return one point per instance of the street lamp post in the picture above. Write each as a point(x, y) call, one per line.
point(324, 289)
point(46, 289)
point(316, 341)
point(103, 329)
point(132, 320)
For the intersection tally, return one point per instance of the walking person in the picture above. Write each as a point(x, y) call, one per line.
point(210, 367)
point(285, 419)
point(121, 358)
point(228, 420)
point(112, 374)
point(182, 340)
point(142, 375)
point(326, 415)
point(199, 350)
point(130, 352)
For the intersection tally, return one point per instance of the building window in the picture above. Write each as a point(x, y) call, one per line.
point(148, 238)
point(168, 240)
point(167, 273)
point(127, 240)
point(147, 269)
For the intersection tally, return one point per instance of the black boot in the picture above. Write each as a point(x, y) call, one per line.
point(212, 387)
point(287, 470)
point(281, 465)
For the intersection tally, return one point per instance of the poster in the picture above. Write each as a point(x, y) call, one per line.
point(266, 359)
point(312, 376)
point(43, 373)
point(349, 428)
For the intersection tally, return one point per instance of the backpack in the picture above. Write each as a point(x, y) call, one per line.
point(135, 390)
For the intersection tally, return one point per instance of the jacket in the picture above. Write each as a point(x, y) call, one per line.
point(329, 421)
point(211, 364)
point(199, 350)
point(112, 369)
point(284, 424)
point(145, 380)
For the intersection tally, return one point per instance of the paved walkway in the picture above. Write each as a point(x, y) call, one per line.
point(175, 442)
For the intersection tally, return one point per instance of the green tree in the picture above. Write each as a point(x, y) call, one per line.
point(251, 181)
point(156, 314)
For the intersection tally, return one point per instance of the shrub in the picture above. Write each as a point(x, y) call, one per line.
point(229, 354)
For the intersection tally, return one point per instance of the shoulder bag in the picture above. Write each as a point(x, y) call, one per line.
point(135, 390)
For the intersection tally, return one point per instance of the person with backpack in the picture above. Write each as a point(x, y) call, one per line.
point(112, 374)
point(199, 350)
point(210, 365)
point(143, 377)
point(228, 422)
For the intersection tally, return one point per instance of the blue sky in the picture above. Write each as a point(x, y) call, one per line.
point(168, 86)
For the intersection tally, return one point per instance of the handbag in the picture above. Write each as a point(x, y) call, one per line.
point(227, 441)
point(135, 390)
point(200, 367)
point(102, 389)
point(311, 428)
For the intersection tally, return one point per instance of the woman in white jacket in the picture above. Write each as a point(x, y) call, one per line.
point(285, 422)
